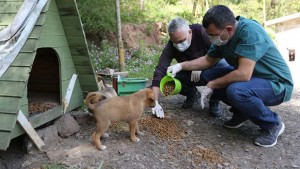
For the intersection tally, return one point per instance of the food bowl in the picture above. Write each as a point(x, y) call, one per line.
point(169, 85)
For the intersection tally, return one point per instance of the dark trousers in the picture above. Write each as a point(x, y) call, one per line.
point(249, 99)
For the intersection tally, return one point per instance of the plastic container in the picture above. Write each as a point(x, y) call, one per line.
point(128, 86)
point(169, 80)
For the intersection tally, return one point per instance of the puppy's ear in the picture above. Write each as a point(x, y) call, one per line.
point(102, 97)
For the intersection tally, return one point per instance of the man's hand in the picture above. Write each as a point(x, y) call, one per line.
point(158, 110)
point(195, 76)
point(174, 69)
point(206, 92)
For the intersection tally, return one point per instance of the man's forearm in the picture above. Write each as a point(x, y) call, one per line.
point(224, 81)
point(198, 64)
point(156, 92)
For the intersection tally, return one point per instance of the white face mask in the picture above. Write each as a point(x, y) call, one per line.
point(182, 46)
point(216, 40)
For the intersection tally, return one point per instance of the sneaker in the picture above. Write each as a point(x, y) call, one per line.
point(189, 102)
point(235, 122)
point(268, 137)
point(214, 109)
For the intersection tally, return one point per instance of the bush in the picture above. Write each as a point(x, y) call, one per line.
point(138, 62)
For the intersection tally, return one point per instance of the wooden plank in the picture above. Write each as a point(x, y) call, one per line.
point(76, 89)
point(7, 121)
point(38, 120)
point(5, 140)
point(75, 103)
point(6, 19)
point(76, 42)
point(41, 19)
point(88, 70)
point(68, 10)
point(53, 29)
point(67, 63)
point(53, 41)
point(10, 7)
point(87, 79)
point(71, 21)
point(35, 33)
point(69, 92)
point(67, 7)
point(63, 51)
point(24, 103)
point(29, 46)
point(30, 131)
point(11, 88)
point(46, 7)
point(81, 51)
point(67, 73)
point(9, 104)
point(53, 17)
point(81, 60)
point(52, 6)
point(16, 74)
point(74, 32)
point(24, 59)
point(42, 118)
point(88, 87)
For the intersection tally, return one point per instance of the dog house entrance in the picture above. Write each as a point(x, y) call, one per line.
point(44, 84)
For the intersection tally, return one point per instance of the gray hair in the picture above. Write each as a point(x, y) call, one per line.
point(178, 24)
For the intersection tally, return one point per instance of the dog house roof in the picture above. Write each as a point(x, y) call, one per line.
point(57, 16)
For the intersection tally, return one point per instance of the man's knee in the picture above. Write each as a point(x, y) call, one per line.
point(237, 93)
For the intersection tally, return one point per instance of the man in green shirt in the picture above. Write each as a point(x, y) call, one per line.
point(257, 76)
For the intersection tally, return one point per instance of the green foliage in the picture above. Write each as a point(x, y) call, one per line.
point(105, 56)
point(139, 62)
point(98, 16)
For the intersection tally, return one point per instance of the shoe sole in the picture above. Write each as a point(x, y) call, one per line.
point(235, 127)
point(280, 132)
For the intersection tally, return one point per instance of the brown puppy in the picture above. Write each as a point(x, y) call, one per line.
point(95, 97)
point(120, 108)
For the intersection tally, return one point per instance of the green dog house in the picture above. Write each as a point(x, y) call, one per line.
point(45, 63)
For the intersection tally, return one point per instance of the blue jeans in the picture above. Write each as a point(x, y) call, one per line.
point(249, 99)
point(188, 87)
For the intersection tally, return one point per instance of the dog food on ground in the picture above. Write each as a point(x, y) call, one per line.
point(164, 129)
point(169, 88)
point(201, 153)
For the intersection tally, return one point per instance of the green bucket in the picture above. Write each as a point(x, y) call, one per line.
point(169, 85)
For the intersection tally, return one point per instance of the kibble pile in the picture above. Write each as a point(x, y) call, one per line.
point(165, 129)
point(201, 153)
point(39, 107)
point(168, 88)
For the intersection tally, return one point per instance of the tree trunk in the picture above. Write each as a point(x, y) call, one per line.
point(141, 5)
point(194, 7)
point(120, 42)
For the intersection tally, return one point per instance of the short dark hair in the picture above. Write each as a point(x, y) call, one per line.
point(218, 15)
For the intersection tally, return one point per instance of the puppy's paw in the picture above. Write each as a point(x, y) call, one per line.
point(102, 147)
point(136, 139)
point(140, 133)
point(104, 135)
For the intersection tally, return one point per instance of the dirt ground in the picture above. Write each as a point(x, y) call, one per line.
point(184, 139)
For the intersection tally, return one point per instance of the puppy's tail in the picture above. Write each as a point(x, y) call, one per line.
point(92, 98)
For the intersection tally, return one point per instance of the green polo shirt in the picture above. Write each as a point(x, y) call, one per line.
point(251, 41)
